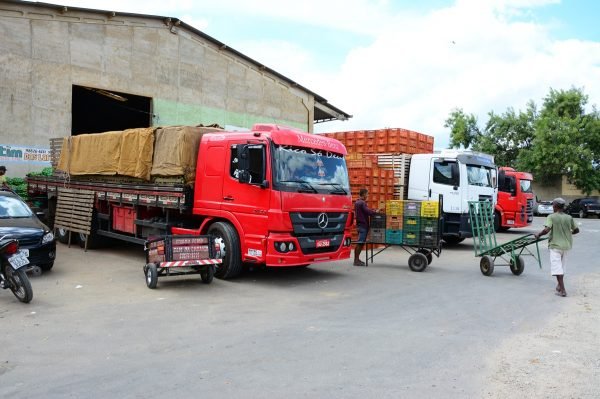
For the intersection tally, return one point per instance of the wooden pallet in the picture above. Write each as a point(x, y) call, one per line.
point(400, 164)
point(74, 211)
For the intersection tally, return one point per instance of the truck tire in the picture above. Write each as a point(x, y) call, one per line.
point(453, 240)
point(94, 240)
point(497, 226)
point(230, 250)
point(62, 235)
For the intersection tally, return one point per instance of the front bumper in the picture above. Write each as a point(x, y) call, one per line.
point(42, 254)
point(297, 257)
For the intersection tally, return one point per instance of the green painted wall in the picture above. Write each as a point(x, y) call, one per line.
point(168, 113)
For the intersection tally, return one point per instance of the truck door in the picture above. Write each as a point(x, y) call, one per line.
point(445, 180)
point(246, 187)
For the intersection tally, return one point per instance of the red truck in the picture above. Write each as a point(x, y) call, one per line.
point(514, 207)
point(273, 196)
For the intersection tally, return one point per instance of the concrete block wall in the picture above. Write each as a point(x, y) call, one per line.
point(45, 51)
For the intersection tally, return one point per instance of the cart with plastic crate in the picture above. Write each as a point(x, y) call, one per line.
point(414, 226)
point(177, 255)
point(485, 245)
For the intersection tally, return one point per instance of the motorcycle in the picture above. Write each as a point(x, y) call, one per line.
point(13, 264)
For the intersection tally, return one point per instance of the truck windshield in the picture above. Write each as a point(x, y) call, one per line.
point(310, 170)
point(479, 176)
point(526, 186)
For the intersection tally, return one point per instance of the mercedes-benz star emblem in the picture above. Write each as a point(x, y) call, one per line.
point(322, 220)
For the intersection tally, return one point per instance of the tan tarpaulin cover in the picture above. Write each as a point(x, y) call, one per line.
point(127, 153)
point(176, 151)
point(137, 146)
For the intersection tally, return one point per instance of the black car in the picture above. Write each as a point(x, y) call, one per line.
point(19, 222)
point(584, 207)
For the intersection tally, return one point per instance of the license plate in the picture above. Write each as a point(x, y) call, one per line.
point(322, 243)
point(18, 260)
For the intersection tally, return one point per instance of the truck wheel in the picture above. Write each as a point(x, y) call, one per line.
point(151, 275)
point(229, 241)
point(453, 240)
point(417, 262)
point(486, 265)
point(62, 235)
point(517, 268)
point(94, 240)
point(427, 254)
point(207, 274)
point(497, 226)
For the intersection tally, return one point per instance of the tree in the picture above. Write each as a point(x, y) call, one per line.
point(561, 139)
point(463, 128)
point(567, 141)
point(508, 135)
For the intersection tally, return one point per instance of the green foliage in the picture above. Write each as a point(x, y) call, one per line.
point(464, 130)
point(44, 172)
point(561, 139)
point(18, 185)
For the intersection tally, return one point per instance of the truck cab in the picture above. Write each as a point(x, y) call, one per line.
point(456, 177)
point(275, 196)
point(514, 207)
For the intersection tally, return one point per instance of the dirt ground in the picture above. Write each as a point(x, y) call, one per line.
point(558, 360)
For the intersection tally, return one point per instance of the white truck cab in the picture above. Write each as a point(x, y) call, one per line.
point(458, 176)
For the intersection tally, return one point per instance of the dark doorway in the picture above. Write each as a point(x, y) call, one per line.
point(98, 110)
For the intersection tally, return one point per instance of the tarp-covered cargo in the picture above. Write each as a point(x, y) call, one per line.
point(143, 153)
point(176, 151)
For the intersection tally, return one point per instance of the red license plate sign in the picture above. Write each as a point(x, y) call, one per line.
point(322, 243)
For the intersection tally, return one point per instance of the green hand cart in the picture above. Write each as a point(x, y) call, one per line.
point(485, 245)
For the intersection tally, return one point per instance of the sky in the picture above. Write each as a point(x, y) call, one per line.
point(405, 64)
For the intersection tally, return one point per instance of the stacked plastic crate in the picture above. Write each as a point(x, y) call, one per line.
point(412, 223)
point(364, 173)
point(430, 222)
point(379, 160)
point(394, 210)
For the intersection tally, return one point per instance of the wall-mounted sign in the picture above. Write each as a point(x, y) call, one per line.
point(23, 154)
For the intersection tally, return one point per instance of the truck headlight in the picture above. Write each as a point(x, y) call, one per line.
point(48, 237)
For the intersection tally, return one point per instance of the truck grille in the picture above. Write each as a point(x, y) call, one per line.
point(307, 223)
point(310, 227)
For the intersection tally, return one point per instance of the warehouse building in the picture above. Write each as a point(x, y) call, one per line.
point(67, 71)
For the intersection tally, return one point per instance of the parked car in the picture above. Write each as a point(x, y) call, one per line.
point(543, 208)
point(584, 207)
point(18, 221)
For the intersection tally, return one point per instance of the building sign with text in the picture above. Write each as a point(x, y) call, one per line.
point(13, 153)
